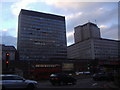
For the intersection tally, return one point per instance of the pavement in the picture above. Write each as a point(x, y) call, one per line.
point(83, 82)
point(111, 85)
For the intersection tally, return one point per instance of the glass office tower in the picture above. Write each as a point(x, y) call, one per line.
point(41, 36)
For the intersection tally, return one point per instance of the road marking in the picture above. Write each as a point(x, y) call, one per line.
point(94, 84)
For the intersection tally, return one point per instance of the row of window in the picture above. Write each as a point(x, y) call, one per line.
point(42, 23)
point(49, 46)
point(33, 21)
point(49, 32)
point(99, 43)
point(107, 56)
point(43, 34)
point(37, 53)
point(34, 30)
point(40, 57)
point(107, 49)
point(31, 39)
point(45, 37)
point(41, 18)
point(44, 26)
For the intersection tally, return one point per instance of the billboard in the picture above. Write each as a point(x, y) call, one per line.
point(67, 66)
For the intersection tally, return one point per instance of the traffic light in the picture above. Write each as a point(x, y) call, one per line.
point(7, 62)
point(7, 59)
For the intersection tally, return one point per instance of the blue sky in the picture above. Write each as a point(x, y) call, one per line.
point(76, 13)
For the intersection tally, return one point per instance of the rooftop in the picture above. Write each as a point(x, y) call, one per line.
point(90, 23)
point(11, 48)
point(40, 14)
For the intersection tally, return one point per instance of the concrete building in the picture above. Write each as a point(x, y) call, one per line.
point(89, 44)
point(41, 36)
point(86, 31)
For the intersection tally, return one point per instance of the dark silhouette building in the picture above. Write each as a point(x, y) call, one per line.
point(8, 55)
point(11, 50)
point(41, 36)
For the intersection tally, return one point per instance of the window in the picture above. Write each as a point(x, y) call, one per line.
point(12, 78)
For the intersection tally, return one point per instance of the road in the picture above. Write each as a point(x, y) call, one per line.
point(81, 83)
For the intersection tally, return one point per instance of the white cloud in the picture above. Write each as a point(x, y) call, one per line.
point(101, 8)
point(64, 5)
point(103, 26)
point(4, 30)
point(70, 38)
point(23, 4)
point(69, 0)
point(69, 34)
point(110, 32)
point(60, 3)
point(74, 15)
point(50, 2)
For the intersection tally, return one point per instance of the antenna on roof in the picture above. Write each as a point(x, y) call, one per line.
point(95, 21)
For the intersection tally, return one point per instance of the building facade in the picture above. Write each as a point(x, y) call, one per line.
point(86, 31)
point(89, 44)
point(41, 36)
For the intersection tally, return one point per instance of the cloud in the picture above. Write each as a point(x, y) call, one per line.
point(102, 14)
point(9, 40)
point(111, 32)
point(90, 10)
point(76, 13)
point(8, 32)
point(65, 5)
point(4, 30)
point(103, 26)
point(70, 38)
point(69, 34)
point(22, 4)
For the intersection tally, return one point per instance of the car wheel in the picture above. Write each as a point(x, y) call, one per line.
point(30, 87)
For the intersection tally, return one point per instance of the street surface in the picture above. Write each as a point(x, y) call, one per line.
point(81, 83)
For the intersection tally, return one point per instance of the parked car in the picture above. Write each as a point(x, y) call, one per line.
point(15, 81)
point(79, 73)
point(99, 76)
point(86, 73)
point(103, 76)
point(62, 79)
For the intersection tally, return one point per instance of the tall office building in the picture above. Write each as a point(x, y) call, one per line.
point(86, 31)
point(41, 36)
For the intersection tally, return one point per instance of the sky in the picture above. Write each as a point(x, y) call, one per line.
point(104, 14)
